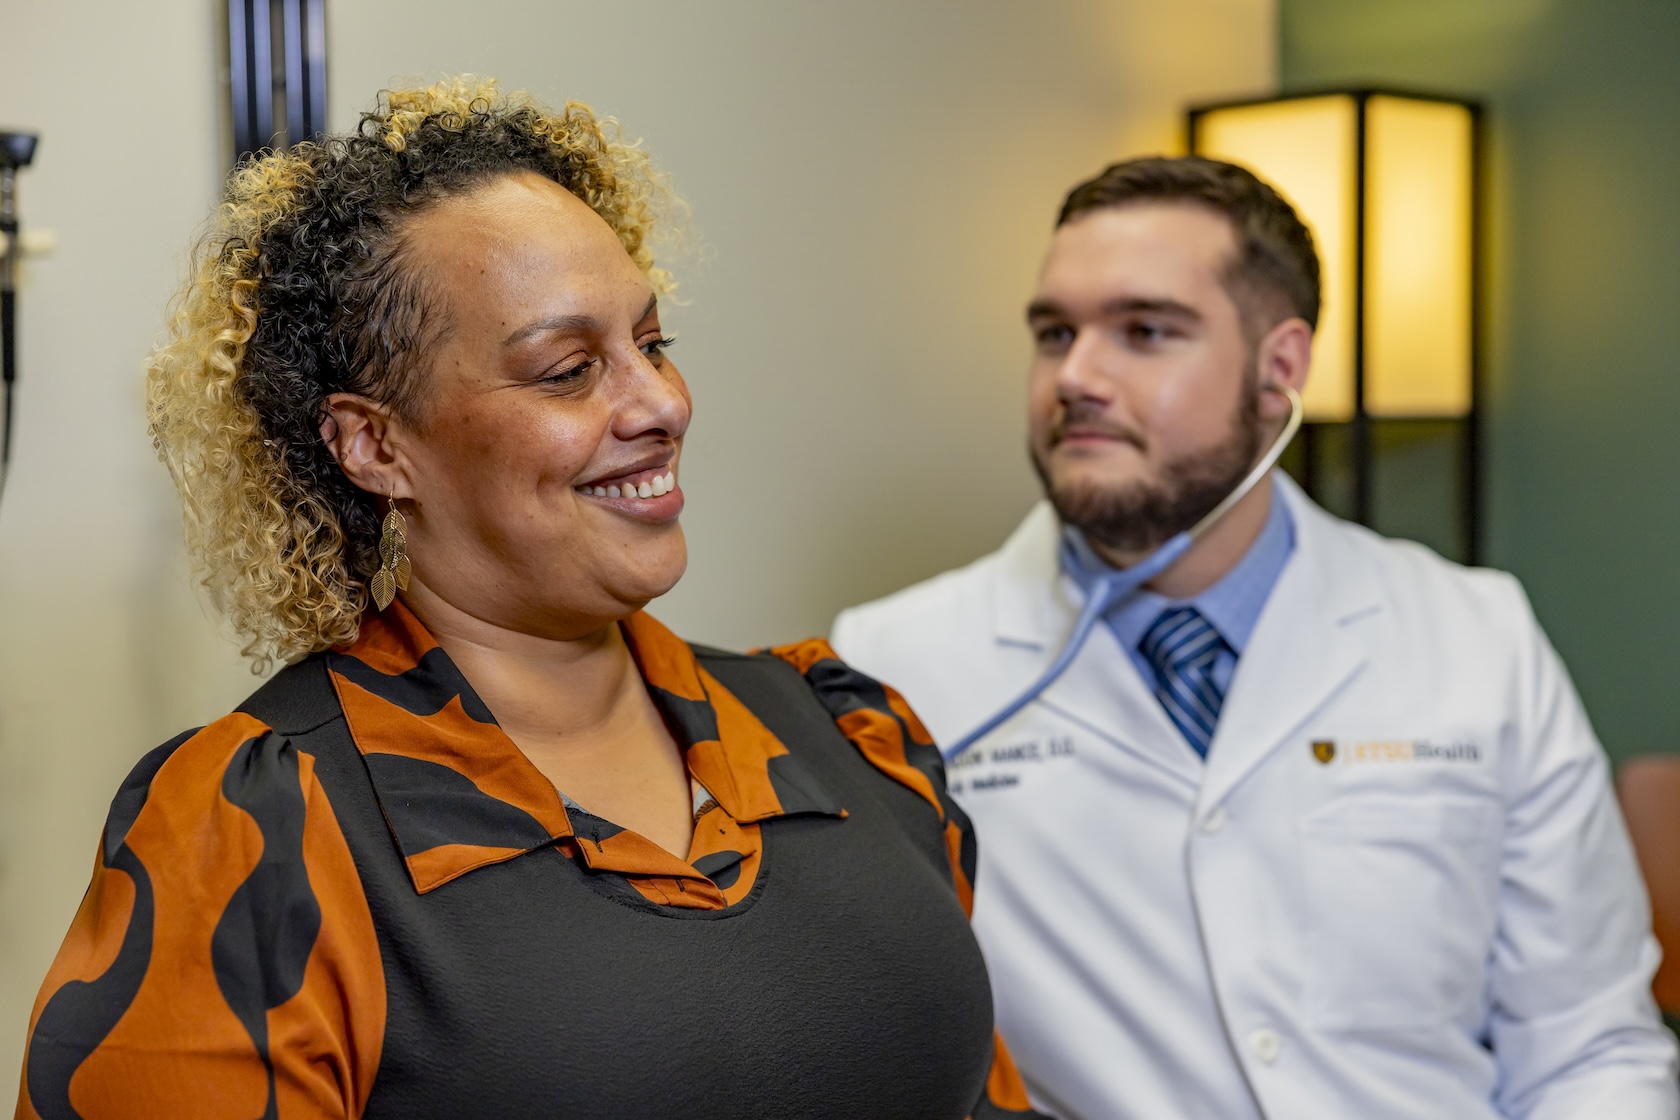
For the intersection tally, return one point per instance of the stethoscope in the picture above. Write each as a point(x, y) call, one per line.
point(1114, 586)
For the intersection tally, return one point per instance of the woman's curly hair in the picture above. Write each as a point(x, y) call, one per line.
point(300, 288)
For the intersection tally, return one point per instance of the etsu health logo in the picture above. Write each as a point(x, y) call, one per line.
point(1326, 751)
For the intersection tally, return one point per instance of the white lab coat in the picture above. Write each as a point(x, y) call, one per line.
point(1444, 921)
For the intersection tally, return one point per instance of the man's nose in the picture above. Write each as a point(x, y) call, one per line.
point(1084, 371)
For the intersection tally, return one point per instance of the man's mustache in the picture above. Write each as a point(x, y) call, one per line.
point(1085, 418)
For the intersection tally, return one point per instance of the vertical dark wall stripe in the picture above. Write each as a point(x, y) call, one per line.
point(261, 30)
point(315, 72)
point(239, 77)
point(292, 47)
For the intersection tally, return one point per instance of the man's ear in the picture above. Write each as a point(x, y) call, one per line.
point(1284, 357)
point(368, 443)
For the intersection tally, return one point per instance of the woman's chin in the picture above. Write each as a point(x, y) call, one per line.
point(654, 577)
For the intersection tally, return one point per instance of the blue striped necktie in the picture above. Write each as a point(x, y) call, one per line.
point(1181, 647)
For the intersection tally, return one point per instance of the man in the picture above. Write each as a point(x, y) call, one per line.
point(1314, 825)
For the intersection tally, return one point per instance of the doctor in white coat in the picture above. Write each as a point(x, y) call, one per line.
point(1315, 827)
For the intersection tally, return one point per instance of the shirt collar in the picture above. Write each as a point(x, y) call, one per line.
point(1232, 605)
point(459, 795)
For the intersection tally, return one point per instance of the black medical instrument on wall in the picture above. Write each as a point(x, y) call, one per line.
point(277, 65)
point(17, 151)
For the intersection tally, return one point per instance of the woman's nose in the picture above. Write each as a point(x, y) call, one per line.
point(653, 400)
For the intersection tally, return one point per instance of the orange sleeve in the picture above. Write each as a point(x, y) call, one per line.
point(223, 962)
point(883, 728)
point(1006, 1093)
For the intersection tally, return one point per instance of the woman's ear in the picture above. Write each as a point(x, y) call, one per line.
point(367, 442)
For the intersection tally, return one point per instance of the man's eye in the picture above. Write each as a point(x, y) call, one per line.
point(1053, 338)
point(1147, 333)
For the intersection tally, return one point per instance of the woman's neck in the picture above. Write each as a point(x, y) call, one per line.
point(546, 688)
point(578, 710)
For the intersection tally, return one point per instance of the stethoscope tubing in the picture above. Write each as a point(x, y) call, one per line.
point(1114, 587)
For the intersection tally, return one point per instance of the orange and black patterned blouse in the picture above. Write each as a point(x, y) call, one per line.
point(355, 897)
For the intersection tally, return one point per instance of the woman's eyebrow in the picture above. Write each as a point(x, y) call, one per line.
point(574, 322)
point(577, 322)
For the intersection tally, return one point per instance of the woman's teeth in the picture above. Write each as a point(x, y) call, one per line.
point(658, 487)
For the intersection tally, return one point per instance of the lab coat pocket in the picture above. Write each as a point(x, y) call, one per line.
point(1402, 891)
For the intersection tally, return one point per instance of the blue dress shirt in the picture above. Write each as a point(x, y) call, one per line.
point(1231, 605)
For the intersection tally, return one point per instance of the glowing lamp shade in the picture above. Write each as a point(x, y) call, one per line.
point(1418, 159)
point(1305, 148)
point(1386, 184)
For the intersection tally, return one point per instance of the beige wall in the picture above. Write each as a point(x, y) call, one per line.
point(103, 650)
point(872, 183)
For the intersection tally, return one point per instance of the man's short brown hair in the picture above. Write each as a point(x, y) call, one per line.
point(1275, 274)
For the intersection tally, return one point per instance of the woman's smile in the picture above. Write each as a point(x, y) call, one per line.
point(650, 494)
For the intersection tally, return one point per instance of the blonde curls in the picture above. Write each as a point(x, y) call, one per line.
point(299, 289)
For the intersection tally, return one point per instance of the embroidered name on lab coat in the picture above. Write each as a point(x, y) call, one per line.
point(998, 762)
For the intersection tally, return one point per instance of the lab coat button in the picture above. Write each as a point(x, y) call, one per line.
point(1215, 820)
point(1265, 1044)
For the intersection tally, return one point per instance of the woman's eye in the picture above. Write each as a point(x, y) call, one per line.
point(656, 348)
point(569, 373)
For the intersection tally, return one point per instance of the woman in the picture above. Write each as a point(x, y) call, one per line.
point(494, 843)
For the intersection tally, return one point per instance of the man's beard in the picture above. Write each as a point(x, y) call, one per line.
point(1140, 516)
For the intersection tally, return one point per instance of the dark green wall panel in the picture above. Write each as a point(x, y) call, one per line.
point(1582, 450)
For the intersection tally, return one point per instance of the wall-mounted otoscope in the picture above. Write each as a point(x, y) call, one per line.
point(17, 150)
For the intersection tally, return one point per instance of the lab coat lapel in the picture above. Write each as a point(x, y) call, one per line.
point(1304, 649)
point(1103, 693)
point(1034, 606)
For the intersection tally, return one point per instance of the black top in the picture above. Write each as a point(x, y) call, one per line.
point(406, 929)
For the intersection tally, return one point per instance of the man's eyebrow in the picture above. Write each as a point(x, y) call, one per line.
point(1050, 309)
point(1156, 306)
point(569, 323)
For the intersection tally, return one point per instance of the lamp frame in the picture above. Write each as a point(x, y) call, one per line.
point(1470, 453)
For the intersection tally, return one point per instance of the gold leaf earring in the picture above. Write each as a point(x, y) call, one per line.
point(394, 568)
